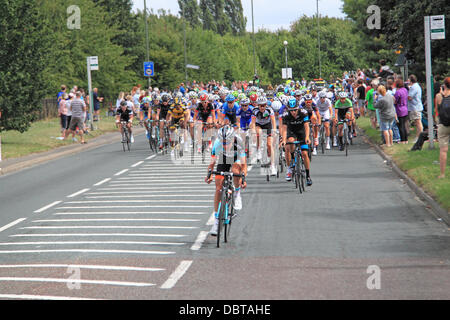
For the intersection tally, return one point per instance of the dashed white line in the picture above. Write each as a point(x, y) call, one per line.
point(102, 182)
point(134, 201)
point(88, 251)
point(177, 274)
point(47, 207)
point(89, 242)
point(78, 193)
point(128, 213)
point(121, 172)
point(12, 224)
point(198, 243)
point(38, 297)
point(100, 220)
point(95, 267)
point(100, 235)
point(137, 164)
point(151, 157)
point(103, 282)
point(130, 207)
point(107, 227)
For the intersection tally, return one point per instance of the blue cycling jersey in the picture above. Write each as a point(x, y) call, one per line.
point(246, 117)
point(230, 111)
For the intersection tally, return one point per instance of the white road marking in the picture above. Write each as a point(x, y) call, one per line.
point(99, 220)
point(121, 172)
point(101, 235)
point(137, 164)
point(108, 227)
point(154, 196)
point(129, 207)
point(102, 282)
point(47, 207)
point(89, 251)
point(78, 193)
point(121, 184)
point(95, 267)
point(150, 178)
point(128, 213)
point(147, 192)
point(38, 297)
point(89, 242)
point(151, 157)
point(211, 220)
point(102, 182)
point(177, 274)
point(12, 224)
point(198, 243)
point(134, 201)
point(203, 187)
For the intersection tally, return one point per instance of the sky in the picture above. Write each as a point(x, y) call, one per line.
point(268, 14)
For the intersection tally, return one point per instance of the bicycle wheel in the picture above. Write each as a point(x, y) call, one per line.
point(124, 137)
point(303, 175)
point(222, 205)
point(299, 176)
point(346, 141)
point(229, 218)
point(322, 138)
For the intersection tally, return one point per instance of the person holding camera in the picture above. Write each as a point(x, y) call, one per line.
point(443, 109)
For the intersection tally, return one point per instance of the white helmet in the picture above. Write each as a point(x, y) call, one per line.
point(225, 133)
point(261, 100)
point(276, 106)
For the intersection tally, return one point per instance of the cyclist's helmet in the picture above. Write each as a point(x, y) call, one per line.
point(308, 97)
point(146, 100)
point(276, 106)
point(123, 103)
point(245, 101)
point(179, 95)
point(194, 95)
point(230, 98)
point(322, 94)
point(204, 97)
point(165, 98)
point(297, 93)
point(216, 97)
point(292, 104)
point(225, 133)
point(242, 96)
point(253, 98)
point(342, 95)
point(235, 94)
point(262, 100)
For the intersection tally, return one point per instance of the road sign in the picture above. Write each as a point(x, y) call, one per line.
point(149, 69)
point(437, 26)
point(191, 66)
point(93, 62)
point(286, 73)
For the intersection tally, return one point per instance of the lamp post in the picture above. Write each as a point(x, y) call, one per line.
point(254, 50)
point(318, 37)
point(146, 35)
point(285, 51)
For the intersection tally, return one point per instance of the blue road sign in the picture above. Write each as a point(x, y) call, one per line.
point(149, 70)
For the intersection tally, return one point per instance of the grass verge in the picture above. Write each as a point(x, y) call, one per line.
point(421, 166)
point(42, 136)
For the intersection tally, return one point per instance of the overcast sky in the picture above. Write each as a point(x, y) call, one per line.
point(268, 14)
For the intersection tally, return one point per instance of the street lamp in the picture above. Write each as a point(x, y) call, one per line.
point(285, 51)
point(146, 35)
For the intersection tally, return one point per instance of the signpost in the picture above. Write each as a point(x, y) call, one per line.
point(434, 30)
point(149, 69)
point(286, 73)
point(92, 64)
point(191, 66)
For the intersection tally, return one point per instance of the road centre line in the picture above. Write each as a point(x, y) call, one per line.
point(199, 241)
point(121, 172)
point(108, 227)
point(95, 267)
point(140, 184)
point(71, 280)
point(147, 192)
point(89, 242)
point(12, 224)
point(88, 251)
point(177, 274)
point(151, 157)
point(126, 219)
point(211, 219)
point(134, 201)
point(100, 235)
point(153, 196)
point(129, 207)
point(137, 164)
point(197, 188)
point(142, 177)
point(47, 207)
point(128, 213)
point(102, 182)
point(78, 193)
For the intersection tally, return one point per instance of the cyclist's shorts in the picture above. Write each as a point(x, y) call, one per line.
point(342, 113)
point(325, 116)
point(267, 127)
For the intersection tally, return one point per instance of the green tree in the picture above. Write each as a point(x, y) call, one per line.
point(234, 10)
point(207, 15)
point(191, 11)
point(24, 48)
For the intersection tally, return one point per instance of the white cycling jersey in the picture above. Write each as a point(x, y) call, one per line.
point(324, 108)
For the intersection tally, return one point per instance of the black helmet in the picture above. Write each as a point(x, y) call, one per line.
point(165, 98)
point(123, 103)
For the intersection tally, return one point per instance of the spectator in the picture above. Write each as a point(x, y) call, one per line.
point(78, 108)
point(182, 89)
point(415, 106)
point(371, 111)
point(61, 94)
point(390, 87)
point(62, 112)
point(385, 70)
point(361, 97)
point(96, 101)
point(385, 105)
point(401, 108)
point(443, 108)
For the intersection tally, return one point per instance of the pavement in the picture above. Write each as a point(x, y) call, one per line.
point(108, 224)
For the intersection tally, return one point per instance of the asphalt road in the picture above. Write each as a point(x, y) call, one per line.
point(105, 224)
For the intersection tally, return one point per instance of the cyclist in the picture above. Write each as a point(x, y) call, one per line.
point(229, 110)
point(228, 151)
point(144, 114)
point(296, 128)
point(264, 119)
point(325, 109)
point(126, 115)
point(344, 110)
point(244, 116)
point(176, 116)
point(314, 116)
point(164, 110)
point(204, 113)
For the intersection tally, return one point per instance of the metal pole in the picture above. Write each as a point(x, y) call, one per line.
point(254, 50)
point(185, 55)
point(429, 81)
point(146, 36)
point(285, 51)
point(318, 32)
point(91, 99)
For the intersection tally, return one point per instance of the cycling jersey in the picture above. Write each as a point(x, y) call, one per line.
point(226, 158)
point(124, 115)
point(263, 118)
point(345, 105)
point(230, 112)
point(324, 108)
point(296, 126)
point(164, 111)
point(245, 117)
point(155, 107)
point(144, 109)
point(177, 112)
point(204, 112)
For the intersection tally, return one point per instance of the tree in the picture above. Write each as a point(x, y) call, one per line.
point(222, 20)
point(191, 11)
point(24, 47)
point(207, 10)
point(234, 10)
